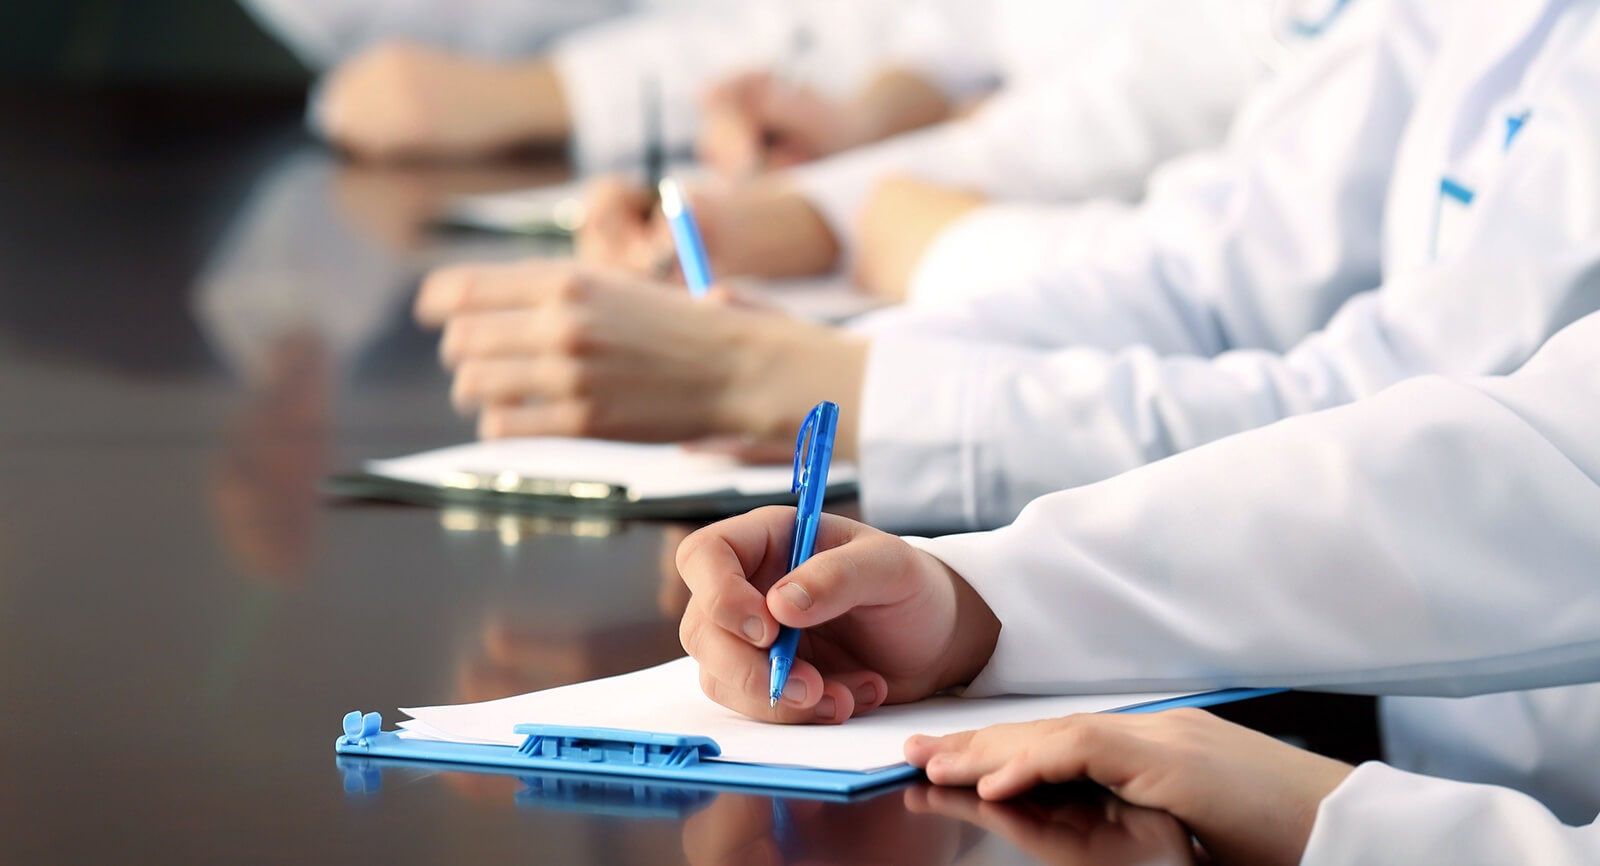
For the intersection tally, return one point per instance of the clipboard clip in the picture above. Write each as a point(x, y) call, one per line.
point(584, 747)
point(803, 446)
point(359, 729)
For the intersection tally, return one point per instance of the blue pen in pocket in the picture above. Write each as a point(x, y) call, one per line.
point(813, 450)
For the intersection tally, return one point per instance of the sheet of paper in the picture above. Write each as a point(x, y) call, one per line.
point(829, 298)
point(555, 208)
point(648, 471)
point(667, 699)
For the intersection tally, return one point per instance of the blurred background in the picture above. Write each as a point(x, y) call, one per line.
point(192, 43)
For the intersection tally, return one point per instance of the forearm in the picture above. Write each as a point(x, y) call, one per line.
point(896, 101)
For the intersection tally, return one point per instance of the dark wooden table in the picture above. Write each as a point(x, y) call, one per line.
point(201, 313)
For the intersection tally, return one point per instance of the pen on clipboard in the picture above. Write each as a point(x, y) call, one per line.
point(813, 451)
point(686, 238)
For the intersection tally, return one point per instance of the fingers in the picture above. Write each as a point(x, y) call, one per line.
point(621, 228)
point(1005, 760)
point(727, 627)
point(507, 381)
point(451, 291)
point(875, 570)
point(514, 333)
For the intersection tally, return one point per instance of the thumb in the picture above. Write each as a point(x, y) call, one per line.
point(872, 569)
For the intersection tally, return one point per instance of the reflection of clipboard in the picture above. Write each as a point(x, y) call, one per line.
point(578, 477)
point(670, 758)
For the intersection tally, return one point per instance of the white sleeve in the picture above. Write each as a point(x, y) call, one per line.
point(1382, 815)
point(1034, 419)
point(1166, 80)
point(999, 247)
point(322, 33)
point(1438, 539)
point(603, 69)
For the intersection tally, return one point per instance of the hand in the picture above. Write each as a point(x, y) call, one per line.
point(898, 223)
point(399, 101)
point(553, 348)
point(885, 622)
point(1247, 797)
point(756, 121)
point(1080, 831)
point(763, 230)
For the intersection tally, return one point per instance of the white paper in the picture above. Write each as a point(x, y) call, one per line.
point(667, 699)
point(647, 471)
point(830, 298)
point(555, 208)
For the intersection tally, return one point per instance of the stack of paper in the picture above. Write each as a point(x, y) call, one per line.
point(667, 699)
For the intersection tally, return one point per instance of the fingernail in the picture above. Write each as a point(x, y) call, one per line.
point(796, 595)
point(753, 629)
point(794, 692)
point(826, 708)
point(866, 694)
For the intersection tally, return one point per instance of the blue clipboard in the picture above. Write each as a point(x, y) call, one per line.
point(647, 755)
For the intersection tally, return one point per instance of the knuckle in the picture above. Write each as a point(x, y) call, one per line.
point(570, 332)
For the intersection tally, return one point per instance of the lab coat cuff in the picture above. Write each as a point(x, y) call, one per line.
point(985, 250)
point(915, 433)
point(1015, 653)
point(837, 188)
point(1381, 814)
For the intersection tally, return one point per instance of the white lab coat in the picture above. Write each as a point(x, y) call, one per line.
point(322, 33)
point(1440, 538)
point(1160, 78)
point(1199, 318)
point(1382, 815)
point(963, 46)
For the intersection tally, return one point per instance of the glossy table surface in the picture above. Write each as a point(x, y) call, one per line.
point(202, 313)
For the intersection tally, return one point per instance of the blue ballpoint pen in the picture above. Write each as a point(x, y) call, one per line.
point(813, 450)
point(686, 238)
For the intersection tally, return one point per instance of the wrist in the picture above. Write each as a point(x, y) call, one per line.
point(782, 367)
point(973, 637)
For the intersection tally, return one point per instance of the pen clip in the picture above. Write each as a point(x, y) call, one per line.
point(802, 448)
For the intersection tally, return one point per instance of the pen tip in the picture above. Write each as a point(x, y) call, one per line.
point(774, 703)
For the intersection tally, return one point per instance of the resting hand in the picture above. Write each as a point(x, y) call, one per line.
point(1247, 797)
point(399, 101)
point(554, 348)
point(884, 622)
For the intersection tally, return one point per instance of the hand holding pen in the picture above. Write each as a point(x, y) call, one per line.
point(883, 621)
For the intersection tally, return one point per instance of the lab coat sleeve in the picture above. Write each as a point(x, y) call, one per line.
point(323, 33)
point(1383, 815)
point(1000, 246)
point(1437, 539)
point(685, 52)
point(1046, 420)
point(1165, 81)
